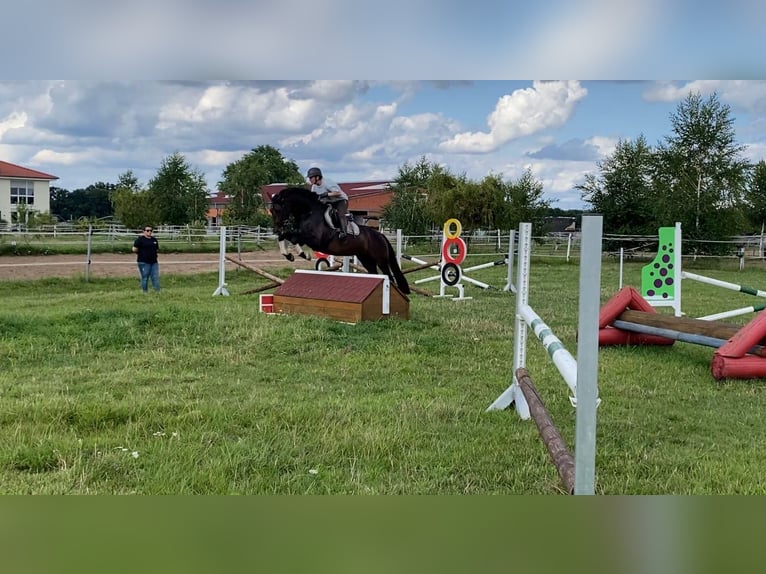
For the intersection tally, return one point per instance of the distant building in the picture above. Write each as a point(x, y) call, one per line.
point(23, 186)
point(560, 225)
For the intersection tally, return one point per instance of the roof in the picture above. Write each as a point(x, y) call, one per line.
point(329, 286)
point(11, 170)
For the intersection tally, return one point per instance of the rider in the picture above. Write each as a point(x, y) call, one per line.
point(330, 192)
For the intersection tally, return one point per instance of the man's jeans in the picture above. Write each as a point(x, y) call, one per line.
point(149, 271)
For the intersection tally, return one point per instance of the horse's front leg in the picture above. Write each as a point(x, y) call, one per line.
point(283, 250)
point(302, 254)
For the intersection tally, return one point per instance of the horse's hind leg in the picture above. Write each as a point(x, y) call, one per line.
point(368, 263)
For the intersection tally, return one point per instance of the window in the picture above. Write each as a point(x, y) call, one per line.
point(22, 192)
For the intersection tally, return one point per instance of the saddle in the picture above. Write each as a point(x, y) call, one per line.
point(331, 217)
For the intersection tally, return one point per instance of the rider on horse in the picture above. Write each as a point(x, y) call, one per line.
point(330, 192)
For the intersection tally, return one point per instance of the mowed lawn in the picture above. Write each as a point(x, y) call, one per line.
point(106, 391)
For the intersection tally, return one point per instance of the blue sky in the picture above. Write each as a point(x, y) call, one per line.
point(89, 131)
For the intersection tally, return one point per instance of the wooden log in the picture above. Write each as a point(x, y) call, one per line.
point(257, 270)
point(560, 455)
point(419, 267)
point(271, 285)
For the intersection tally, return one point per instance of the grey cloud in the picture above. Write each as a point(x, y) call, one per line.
point(572, 150)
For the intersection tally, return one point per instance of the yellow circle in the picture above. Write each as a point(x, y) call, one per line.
point(458, 228)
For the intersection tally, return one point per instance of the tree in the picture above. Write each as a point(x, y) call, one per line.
point(133, 206)
point(623, 190)
point(701, 177)
point(427, 194)
point(756, 196)
point(525, 203)
point(409, 208)
point(179, 192)
point(243, 179)
point(93, 202)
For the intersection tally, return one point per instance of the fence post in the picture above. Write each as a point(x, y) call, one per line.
point(87, 257)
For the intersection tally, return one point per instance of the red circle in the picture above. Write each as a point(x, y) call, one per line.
point(461, 250)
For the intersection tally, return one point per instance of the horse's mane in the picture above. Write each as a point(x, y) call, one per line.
point(298, 196)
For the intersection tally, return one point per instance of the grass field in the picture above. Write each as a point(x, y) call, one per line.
point(106, 391)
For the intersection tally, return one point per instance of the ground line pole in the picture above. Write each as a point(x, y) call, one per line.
point(587, 354)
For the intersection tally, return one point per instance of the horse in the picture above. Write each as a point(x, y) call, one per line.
point(299, 217)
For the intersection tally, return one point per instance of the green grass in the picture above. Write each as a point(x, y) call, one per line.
point(106, 391)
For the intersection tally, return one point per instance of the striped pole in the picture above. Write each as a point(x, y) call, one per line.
point(724, 284)
point(734, 312)
point(562, 358)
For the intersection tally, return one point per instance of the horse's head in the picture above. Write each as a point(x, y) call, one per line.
point(295, 201)
point(278, 211)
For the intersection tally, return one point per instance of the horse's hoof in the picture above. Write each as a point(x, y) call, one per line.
point(290, 257)
point(305, 256)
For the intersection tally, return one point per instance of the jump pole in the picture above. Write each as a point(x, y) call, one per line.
point(586, 371)
point(221, 289)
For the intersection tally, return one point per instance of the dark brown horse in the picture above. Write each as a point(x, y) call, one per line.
point(299, 217)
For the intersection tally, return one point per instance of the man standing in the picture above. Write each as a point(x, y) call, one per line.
point(330, 192)
point(147, 246)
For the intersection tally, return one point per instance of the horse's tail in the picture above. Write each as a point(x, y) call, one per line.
point(401, 280)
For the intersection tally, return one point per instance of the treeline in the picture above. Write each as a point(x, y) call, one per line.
point(697, 175)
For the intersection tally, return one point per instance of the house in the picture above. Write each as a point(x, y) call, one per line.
point(21, 186)
point(366, 200)
point(216, 204)
point(560, 226)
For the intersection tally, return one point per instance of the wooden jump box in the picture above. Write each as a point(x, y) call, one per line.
point(341, 296)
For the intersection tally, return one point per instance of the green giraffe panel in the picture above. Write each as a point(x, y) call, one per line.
point(658, 278)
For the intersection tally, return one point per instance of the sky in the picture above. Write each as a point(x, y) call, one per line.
point(90, 131)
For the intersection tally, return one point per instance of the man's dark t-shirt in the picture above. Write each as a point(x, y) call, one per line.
point(147, 249)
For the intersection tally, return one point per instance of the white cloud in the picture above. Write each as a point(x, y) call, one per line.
point(13, 121)
point(604, 145)
point(747, 95)
point(47, 156)
point(522, 113)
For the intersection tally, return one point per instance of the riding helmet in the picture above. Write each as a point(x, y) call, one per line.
point(314, 171)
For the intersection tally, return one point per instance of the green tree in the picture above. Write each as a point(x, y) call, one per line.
point(410, 208)
point(524, 203)
point(622, 192)
point(179, 192)
point(756, 197)
point(92, 202)
point(134, 207)
point(700, 178)
point(243, 179)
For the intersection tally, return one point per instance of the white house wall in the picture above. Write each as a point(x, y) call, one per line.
point(42, 197)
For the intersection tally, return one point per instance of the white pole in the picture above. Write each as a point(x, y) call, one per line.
point(509, 286)
point(513, 393)
point(622, 254)
point(587, 355)
point(87, 257)
point(221, 289)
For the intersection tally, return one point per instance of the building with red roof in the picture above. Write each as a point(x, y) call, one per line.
point(21, 186)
